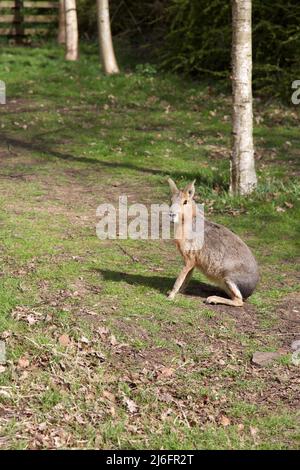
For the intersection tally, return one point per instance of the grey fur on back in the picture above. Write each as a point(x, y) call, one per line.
point(225, 255)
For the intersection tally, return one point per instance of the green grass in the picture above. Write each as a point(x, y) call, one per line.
point(71, 139)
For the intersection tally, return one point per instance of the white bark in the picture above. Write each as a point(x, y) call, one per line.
point(61, 37)
point(243, 176)
point(71, 30)
point(108, 58)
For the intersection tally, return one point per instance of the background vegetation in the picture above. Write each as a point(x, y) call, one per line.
point(157, 29)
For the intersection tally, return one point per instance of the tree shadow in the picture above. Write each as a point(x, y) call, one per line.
point(160, 283)
point(42, 148)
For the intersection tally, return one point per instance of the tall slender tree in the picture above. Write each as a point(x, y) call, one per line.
point(61, 37)
point(71, 30)
point(108, 58)
point(243, 175)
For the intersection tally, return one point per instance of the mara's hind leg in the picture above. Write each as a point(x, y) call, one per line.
point(233, 291)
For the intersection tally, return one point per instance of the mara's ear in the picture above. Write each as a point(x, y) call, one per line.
point(173, 186)
point(190, 189)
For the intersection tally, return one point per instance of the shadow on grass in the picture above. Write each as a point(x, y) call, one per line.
point(49, 152)
point(160, 283)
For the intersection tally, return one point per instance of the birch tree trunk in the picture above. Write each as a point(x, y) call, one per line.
point(61, 37)
point(243, 176)
point(108, 58)
point(71, 30)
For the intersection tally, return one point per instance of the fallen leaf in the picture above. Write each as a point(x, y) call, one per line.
point(224, 420)
point(24, 375)
point(167, 372)
point(253, 431)
point(5, 394)
point(23, 362)
point(110, 396)
point(80, 419)
point(90, 312)
point(6, 334)
point(130, 404)
point(42, 426)
point(166, 414)
point(166, 397)
point(64, 340)
point(84, 340)
point(31, 319)
point(113, 340)
point(103, 331)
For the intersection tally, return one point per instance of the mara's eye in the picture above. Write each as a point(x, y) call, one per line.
point(184, 202)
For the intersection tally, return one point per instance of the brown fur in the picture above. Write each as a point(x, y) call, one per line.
point(224, 258)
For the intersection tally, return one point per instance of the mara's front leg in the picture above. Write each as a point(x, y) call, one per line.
point(180, 280)
point(186, 281)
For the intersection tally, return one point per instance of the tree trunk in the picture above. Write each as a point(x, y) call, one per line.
point(61, 37)
point(71, 30)
point(108, 58)
point(243, 176)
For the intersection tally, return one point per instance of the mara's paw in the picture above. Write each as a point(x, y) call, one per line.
point(213, 299)
point(171, 296)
